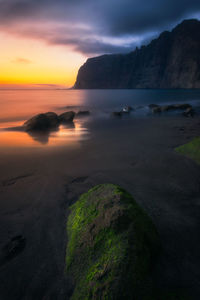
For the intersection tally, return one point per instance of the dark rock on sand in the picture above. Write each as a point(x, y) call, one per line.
point(67, 117)
point(13, 247)
point(116, 114)
point(83, 113)
point(112, 244)
point(42, 122)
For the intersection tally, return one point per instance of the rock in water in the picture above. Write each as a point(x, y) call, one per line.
point(42, 122)
point(165, 108)
point(83, 113)
point(53, 118)
point(116, 114)
point(183, 106)
point(127, 109)
point(111, 245)
point(67, 117)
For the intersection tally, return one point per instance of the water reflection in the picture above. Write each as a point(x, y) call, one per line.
point(40, 137)
point(64, 135)
point(70, 125)
point(44, 135)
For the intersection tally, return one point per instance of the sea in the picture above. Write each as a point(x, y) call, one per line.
point(16, 106)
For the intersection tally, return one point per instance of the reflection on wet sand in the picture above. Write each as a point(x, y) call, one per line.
point(64, 135)
point(43, 136)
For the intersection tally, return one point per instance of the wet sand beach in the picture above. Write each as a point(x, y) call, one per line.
point(37, 188)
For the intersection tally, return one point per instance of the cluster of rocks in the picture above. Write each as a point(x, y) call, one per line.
point(51, 120)
point(125, 110)
point(188, 110)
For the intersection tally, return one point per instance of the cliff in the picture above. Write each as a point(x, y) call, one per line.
point(170, 61)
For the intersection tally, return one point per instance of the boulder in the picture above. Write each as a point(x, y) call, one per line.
point(112, 245)
point(53, 119)
point(117, 113)
point(83, 113)
point(66, 117)
point(42, 122)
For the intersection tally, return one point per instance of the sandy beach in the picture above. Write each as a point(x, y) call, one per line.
point(37, 188)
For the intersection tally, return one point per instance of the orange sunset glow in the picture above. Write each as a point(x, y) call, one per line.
point(30, 62)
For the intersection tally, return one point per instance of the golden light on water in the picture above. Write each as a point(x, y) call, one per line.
point(63, 136)
point(19, 106)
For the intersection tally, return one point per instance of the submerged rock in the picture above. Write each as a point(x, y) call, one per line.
point(42, 122)
point(117, 114)
point(112, 244)
point(83, 113)
point(182, 106)
point(158, 108)
point(67, 117)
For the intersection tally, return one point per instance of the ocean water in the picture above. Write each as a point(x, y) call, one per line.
point(16, 106)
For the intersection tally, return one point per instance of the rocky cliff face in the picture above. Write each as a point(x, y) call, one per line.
point(170, 61)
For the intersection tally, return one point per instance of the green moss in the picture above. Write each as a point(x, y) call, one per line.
point(191, 149)
point(111, 244)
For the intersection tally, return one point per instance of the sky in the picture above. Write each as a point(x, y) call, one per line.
point(44, 42)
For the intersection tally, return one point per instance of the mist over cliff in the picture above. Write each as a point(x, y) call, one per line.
point(170, 61)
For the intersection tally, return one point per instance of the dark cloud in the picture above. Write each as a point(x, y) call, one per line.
point(138, 16)
point(94, 26)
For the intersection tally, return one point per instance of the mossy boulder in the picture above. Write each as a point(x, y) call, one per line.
point(191, 149)
point(112, 244)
